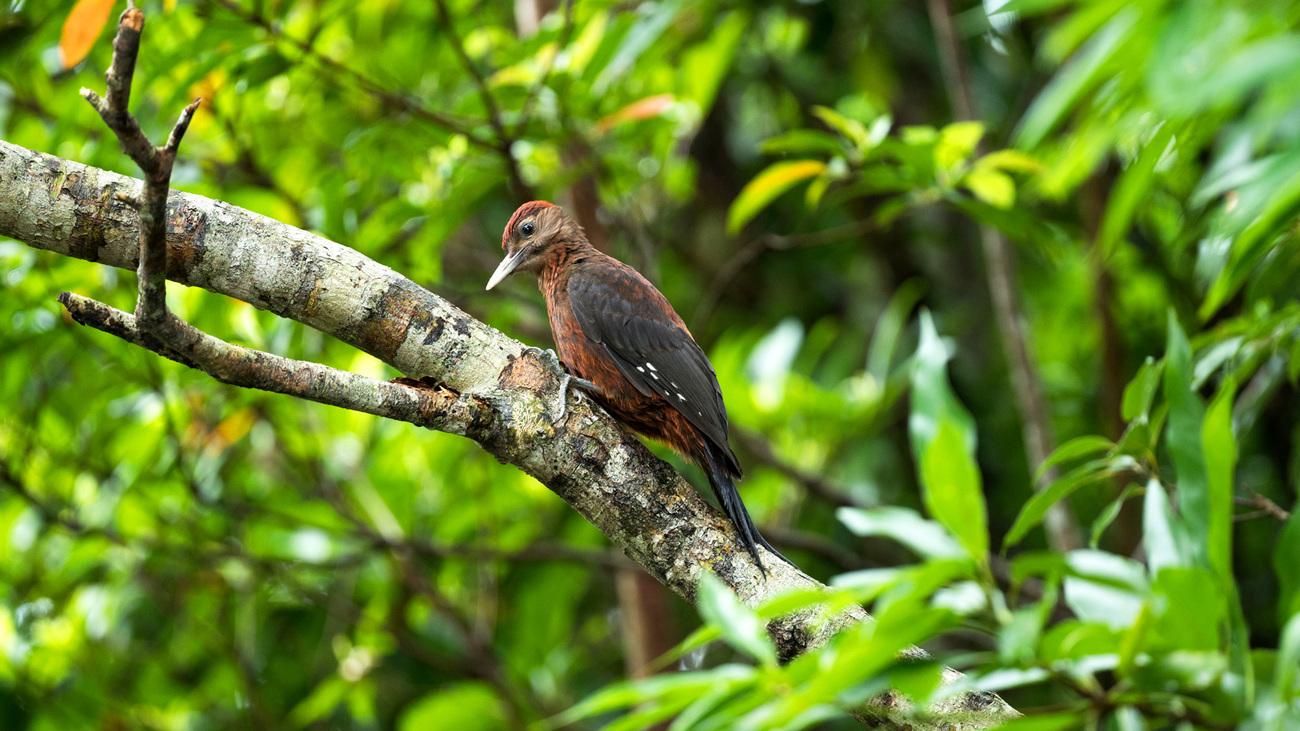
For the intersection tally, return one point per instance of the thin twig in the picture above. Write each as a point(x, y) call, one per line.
point(1263, 504)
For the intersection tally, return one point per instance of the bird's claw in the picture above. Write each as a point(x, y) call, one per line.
point(560, 408)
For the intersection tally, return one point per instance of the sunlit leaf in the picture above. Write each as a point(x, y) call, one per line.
point(994, 188)
point(766, 187)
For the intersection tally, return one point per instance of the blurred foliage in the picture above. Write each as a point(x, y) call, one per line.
point(183, 555)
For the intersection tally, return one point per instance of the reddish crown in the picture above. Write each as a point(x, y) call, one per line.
point(523, 211)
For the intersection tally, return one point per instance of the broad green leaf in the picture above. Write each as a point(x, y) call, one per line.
point(926, 538)
point(1011, 161)
point(705, 66)
point(640, 37)
point(1286, 564)
point(932, 397)
point(1288, 660)
point(1189, 609)
point(956, 143)
point(1105, 588)
point(1220, 450)
point(943, 442)
point(1184, 436)
point(1132, 189)
point(739, 625)
point(766, 187)
point(994, 188)
point(953, 490)
point(1081, 73)
point(469, 706)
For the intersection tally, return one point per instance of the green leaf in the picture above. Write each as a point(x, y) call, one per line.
point(469, 706)
point(1109, 513)
point(766, 187)
point(1132, 188)
point(1055, 721)
point(1043, 500)
point(1189, 608)
point(1220, 449)
point(1074, 449)
point(1286, 559)
point(640, 37)
point(1288, 660)
point(1141, 390)
point(957, 142)
point(1011, 161)
point(1184, 437)
point(994, 188)
point(953, 491)
point(926, 538)
point(852, 130)
point(1081, 73)
point(739, 625)
point(1105, 588)
point(943, 442)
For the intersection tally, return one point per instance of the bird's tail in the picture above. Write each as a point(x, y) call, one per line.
point(724, 488)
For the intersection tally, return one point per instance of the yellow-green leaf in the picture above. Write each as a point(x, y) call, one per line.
point(766, 186)
point(994, 188)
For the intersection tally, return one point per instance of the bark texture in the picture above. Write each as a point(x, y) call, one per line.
point(502, 396)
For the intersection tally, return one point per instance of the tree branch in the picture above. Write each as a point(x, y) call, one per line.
point(605, 473)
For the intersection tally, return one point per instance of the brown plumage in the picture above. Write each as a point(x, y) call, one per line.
point(614, 329)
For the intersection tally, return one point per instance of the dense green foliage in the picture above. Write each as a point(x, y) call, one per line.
point(183, 555)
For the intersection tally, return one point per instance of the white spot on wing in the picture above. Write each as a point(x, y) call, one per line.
point(651, 366)
point(639, 368)
point(683, 398)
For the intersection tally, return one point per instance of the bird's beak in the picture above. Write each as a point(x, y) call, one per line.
point(506, 266)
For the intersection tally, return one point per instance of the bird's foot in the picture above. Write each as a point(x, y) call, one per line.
point(567, 380)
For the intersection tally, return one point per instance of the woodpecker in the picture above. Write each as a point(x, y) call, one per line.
point(618, 334)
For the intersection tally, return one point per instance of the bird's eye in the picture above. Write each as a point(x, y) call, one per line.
point(526, 228)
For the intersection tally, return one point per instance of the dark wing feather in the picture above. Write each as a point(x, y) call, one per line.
point(619, 309)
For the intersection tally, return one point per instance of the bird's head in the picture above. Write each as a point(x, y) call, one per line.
point(532, 238)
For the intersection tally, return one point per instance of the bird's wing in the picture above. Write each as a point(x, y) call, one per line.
point(619, 309)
